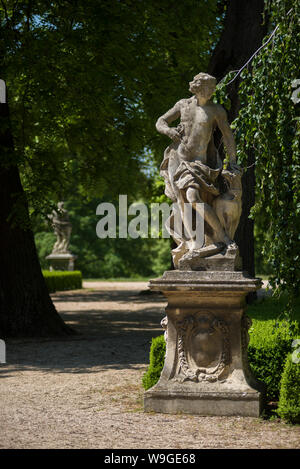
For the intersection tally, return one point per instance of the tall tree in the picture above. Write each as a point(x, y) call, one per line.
point(244, 30)
point(87, 81)
point(25, 303)
point(269, 119)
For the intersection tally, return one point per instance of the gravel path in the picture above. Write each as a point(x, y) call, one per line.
point(85, 391)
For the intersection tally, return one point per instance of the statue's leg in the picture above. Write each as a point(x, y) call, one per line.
point(210, 217)
point(189, 233)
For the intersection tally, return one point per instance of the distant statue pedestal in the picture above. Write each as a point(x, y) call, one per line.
point(206, 370)
point(61, 261)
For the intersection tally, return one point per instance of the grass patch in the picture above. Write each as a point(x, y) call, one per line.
point(269, 308)
point(262, 276)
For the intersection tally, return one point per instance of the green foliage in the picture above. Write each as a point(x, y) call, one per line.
point(270, 342)
point(267, 351)
point(289, 401)
point(105, 258)
point(44, 242)
point(157, 358)
point(62, 280)
point(86, 82)
point(268, 125)
point(262, 267)
point(221, 95)
point(269, 310)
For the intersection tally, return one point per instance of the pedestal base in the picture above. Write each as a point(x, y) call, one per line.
point(61, 261)
point(206, 369)
point(201, 403)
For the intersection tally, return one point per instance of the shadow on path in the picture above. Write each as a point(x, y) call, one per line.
point(114, 327)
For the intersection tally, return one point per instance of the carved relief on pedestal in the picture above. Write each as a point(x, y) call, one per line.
point(246, 324)
point(203, 348)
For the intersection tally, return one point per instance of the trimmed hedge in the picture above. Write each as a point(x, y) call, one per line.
point(157, 358)
point(59, 280)
point(289, 401)
point(271, 341)
point(269, 345)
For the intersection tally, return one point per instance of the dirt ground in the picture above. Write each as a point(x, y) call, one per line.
point(85, 391)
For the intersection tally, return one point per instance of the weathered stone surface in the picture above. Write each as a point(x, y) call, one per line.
point(201, 403)
point(61, 261)
point(206, 281)
point(194, 175)
point(206, 370)
point(228, 259)
point(61, 258)
point(62, 228)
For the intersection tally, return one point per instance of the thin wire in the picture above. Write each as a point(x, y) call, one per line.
point(252, 56)
point(256, 52)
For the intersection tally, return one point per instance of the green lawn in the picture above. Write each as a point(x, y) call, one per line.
point(270, 308)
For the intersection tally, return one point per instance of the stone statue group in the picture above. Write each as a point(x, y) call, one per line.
point(62, 228)
point(194, 174)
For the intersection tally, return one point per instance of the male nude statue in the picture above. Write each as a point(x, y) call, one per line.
point(192, 166)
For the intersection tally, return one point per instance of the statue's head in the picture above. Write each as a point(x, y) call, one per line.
point(203, 84)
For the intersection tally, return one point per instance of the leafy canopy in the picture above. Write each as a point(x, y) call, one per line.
point(268, 124)
point(86, 83)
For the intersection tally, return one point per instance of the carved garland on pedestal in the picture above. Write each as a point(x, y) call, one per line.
point(186, 329)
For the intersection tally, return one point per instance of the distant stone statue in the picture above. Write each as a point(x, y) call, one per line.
point(62, 228)
point(194, 174)
point(61, 258)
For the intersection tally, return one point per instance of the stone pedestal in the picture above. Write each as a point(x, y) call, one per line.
point(63, 261)
point(206, 370)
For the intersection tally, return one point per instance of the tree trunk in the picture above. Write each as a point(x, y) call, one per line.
point(26, 308)
point(242, 36)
